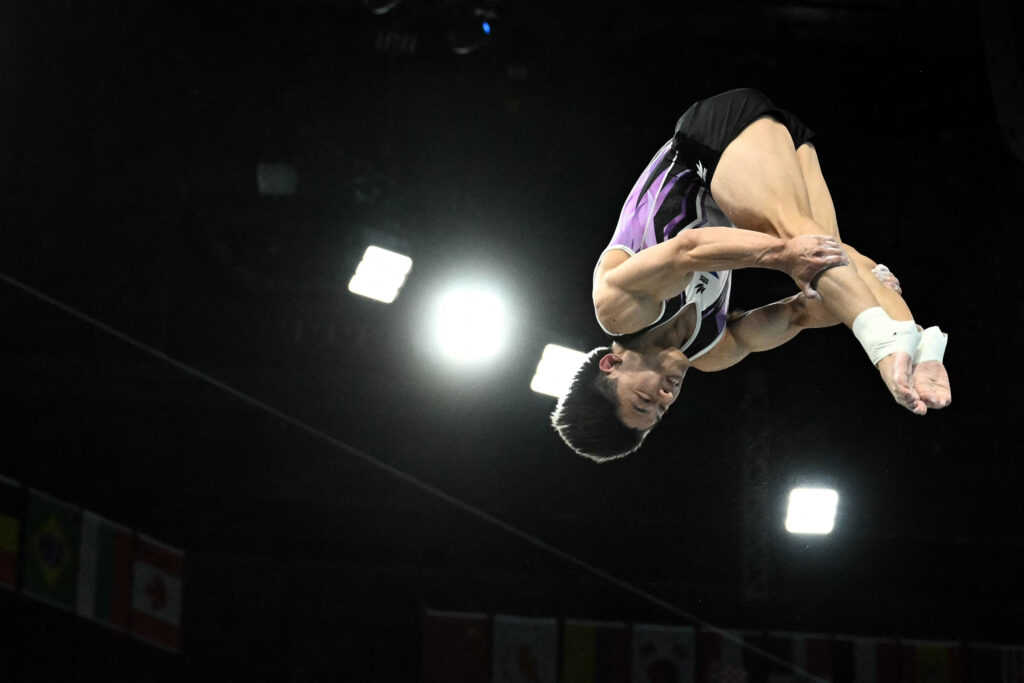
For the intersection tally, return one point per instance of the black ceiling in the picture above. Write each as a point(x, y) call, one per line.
point(131, 137)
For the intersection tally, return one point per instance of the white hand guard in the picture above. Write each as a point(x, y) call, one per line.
point(932, 346)
point(880, 335)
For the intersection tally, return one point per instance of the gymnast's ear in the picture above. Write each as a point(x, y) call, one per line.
point(609, 362)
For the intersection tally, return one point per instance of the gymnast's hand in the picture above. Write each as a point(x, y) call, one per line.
point(805, 257)
point(886, 277)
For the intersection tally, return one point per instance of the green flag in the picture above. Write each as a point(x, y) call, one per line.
point(50, 557)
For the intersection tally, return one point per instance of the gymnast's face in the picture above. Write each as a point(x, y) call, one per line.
point(646, 384)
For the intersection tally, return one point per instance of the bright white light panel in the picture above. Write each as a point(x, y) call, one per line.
point(811, 511)
point(470, 325)
point(380, 275)
point(556, 369)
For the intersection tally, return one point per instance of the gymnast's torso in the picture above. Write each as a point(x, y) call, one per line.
point(667, 199)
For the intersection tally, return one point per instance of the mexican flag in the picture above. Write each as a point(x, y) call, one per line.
point(105, 571)
point(50, 558)
point(157, 583)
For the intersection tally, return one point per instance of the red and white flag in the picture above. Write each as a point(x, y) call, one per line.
point(157, 593)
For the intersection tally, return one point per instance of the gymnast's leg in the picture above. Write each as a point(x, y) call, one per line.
point(824, 214)
point(930, 379)
point(759, 183)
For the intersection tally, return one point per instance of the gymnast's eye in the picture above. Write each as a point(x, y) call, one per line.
point(642, 406)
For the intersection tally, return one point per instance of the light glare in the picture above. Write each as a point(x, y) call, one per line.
point(556, 369)
point(470, 325)
point(811, 511)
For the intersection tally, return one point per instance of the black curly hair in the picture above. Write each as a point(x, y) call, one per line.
point(587, 419)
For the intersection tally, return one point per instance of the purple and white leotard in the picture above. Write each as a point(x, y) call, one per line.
point(669, 198)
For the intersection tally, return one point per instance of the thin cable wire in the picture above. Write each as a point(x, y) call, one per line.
point(399, 474)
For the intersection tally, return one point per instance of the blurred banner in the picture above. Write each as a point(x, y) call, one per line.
point(105, 571)
point(456, 647)
point(50, 558)
point(474, 648)
point(595, 652)
point(525, 650)
point(76, 560)
point(157, 593)
point(663, 654)
point(12, 509)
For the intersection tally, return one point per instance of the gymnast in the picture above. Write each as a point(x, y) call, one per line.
point(737, 186)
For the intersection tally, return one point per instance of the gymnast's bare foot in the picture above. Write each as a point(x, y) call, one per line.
point(932, 384)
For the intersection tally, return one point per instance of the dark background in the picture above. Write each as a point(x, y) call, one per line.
point(131, 133)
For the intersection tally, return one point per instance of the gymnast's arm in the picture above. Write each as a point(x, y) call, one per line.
point(629, 289)
point(764, 328)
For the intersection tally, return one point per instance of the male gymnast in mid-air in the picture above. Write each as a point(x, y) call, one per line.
point(738, 186)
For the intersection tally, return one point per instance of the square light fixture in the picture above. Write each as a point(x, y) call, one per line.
point(811, 511)
point(556, 369)
point(380, 275)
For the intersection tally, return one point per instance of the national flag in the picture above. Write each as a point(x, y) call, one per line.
point(456, 647)
point(157, 583)
point(12, 511)
point(595, 652)
point(663, 653)
point(814, 655)
point(50, 559)
point(888, 661)
point(785, 657)
point(866, 660)
point(525, 649)
point(932, 662)
point(105, 571)
point(720, 656)
point(995, 664)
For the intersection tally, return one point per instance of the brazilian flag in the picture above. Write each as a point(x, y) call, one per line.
point(49, 570)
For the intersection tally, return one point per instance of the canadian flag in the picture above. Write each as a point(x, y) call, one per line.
point(157, 593)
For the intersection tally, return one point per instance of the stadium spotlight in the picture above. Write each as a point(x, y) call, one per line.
point(470, 324)
point(811, 511)
point(380, 274)
point(555, 370)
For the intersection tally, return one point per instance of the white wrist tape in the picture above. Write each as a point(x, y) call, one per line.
point(880, 335)
point(932, 345)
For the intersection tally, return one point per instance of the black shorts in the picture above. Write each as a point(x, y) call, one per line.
point(708, 126)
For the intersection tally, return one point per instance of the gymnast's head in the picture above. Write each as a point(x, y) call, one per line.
point(616, 397)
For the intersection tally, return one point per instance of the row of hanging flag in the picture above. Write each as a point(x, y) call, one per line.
point(74, 559)
point(482, 648)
